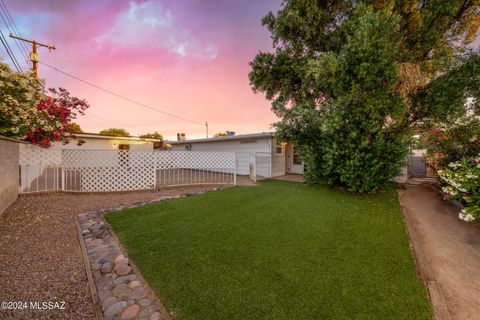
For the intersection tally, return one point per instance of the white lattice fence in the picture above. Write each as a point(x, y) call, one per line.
point(105, 170)
point(40, 169)
point(189, 167)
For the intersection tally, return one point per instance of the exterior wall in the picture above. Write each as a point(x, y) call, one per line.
point(242, 150)
point(9, 172)
point(105, 144)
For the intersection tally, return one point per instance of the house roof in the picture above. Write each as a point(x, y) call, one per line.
point(107, 136)
point(227, 138)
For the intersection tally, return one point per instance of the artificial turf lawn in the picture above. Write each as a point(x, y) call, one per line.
point(280, 250)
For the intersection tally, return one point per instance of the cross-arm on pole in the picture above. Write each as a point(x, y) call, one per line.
point(33, 55)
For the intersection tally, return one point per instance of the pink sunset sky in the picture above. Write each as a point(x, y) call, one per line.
point(185, 57)
point(188, 58)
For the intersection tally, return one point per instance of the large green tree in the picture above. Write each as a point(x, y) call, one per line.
point(351, 79)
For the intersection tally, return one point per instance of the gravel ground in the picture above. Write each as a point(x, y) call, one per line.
point(40, 256)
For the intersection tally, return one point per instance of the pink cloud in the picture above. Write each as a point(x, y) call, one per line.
point(185, 57)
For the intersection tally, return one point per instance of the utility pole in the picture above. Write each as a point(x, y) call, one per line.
point(206, 127)
point(33, 55)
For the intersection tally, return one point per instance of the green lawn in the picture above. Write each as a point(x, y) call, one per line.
point(280, 250)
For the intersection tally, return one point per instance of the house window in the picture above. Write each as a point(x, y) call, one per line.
point(125, 147)
point(278, 149)
point(296, 158)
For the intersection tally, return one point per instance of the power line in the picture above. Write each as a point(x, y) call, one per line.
point(108, 120)
point(10, 52)
point(122, 97)
point(95, 122)
point(9, 16)
point(10, 30)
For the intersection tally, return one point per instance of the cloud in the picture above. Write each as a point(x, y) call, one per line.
point(151, 24)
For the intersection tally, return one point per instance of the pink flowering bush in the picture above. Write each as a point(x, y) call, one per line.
point(28, 111)
point(461, 180)
point(52, 122)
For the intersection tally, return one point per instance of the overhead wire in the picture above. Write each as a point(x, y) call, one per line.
point(10, 52)
point(8, 16)
point(14, 26)
point(10, 30)
point(108, 120)
point(11, 27)
point(121, 96)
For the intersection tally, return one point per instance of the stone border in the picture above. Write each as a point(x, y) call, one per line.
point(118, 288)
point(88, 270)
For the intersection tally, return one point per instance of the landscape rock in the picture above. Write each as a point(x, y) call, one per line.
point(121, 291)
point(140, 293)
point(115, 308)
point(125, 279)
point(120, 257)
point(104, 260)
point(130, 313)
point(123, 269)
point(107, 267)
point(144, 302)
point(97, 233)
point(146, 312)
point(134, 284)
point(156, 316)
point(103, 294)
point(108, 302)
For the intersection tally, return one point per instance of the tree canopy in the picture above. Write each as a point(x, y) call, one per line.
point(74, 128)
point(119, 132)
point(154, 135)
point(220, 135)
point(351, 79)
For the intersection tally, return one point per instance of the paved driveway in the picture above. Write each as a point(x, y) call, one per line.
point(447, 251)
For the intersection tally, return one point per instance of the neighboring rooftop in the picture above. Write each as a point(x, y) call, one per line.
point(226, 138)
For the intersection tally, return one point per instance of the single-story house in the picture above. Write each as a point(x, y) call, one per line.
point(250, 148)
point(95, 141)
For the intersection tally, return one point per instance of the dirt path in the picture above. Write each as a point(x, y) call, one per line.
point(40, 255)
point(447, 250)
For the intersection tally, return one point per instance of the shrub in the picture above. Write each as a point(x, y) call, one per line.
point(461, 180)
point(28, 112)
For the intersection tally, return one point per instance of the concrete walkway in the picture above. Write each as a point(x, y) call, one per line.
point(447, 252)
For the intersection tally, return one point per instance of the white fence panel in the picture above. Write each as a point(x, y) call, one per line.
point(189, 167)
point(40, 169)
point(112, 170)
point(263, 165)
point(105, 170)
